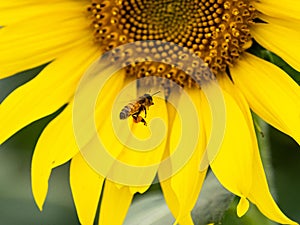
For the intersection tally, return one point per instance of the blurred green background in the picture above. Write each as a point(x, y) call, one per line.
point(17, 206)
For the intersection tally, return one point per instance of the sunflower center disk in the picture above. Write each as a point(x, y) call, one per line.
point(215, 30)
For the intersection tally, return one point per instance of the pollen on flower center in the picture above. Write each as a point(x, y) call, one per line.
point(215, 30)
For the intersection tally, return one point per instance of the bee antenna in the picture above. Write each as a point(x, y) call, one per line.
point(155, 93)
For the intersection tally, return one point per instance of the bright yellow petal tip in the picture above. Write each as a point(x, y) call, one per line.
point(115, 203)
point(242, 207)
point(86, 186)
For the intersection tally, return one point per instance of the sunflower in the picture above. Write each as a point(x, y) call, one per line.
point(69, 35)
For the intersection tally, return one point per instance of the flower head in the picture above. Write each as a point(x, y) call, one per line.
point(71, 35)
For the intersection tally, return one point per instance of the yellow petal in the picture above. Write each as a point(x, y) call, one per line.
point(270, 92)
point(261, 197)
point(187, 220)
point(279, 39)
point(242, 207)
point(229, 87)
point(286, 22)
point(141, 159)
point(133, 148)
point(170, 197)
point(289, 9)
point(46, 93)
point(93, 108)
point(185, 184)
point(169, 194)
point(232, 165)
point(114, 204)
point(15, 11)
point(259, 193)
point(86, 187)
point(94, 127)
point(55, 146)
point(40, 39)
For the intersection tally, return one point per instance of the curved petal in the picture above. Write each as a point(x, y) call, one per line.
point(86, 186)
point(259, 193)
point(289, 9)
point(130, 152)
point(94, 109)
point(142, 157)
point(40, 39)
point(15, 11)
point(279, 39)
point(232, 165)
point(242, 207)
point(115, 203)
point(270, 92)
point(293, 25)
point(170, 197)
point(182, 189)
point(98, 130)
point(55, 146)
point(120, 158)
point(169, 194)
point(46, 93)
point(261, 196)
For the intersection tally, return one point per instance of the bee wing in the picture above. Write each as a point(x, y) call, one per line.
point(131, 100)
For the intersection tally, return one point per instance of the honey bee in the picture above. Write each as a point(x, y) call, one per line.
point(135, 108)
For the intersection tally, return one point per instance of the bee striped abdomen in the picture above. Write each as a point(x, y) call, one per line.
point(126, 111)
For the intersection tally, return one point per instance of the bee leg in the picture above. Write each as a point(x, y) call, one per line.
point(135, 118)
point(145, 110)
point(143, 120)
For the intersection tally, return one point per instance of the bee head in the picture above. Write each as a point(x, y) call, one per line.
point(149, 98)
